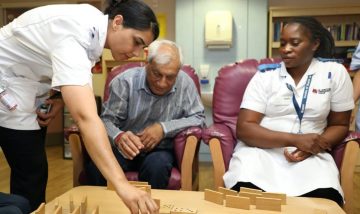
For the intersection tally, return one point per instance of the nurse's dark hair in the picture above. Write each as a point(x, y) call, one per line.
point(318, 32)
point(136, 14)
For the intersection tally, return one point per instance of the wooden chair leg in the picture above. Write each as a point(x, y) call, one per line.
point(347, 173)
point(188, 162)
point(77, 157)
point(218, 162)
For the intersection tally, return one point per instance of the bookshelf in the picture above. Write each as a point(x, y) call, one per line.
point(342, 21)
point(109, 62)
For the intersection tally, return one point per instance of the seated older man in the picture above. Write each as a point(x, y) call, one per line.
point(147, 107)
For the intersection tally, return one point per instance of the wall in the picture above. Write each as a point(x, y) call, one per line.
point(249, 37)
point(249, 31)
point(309, 3)
point(166, 8)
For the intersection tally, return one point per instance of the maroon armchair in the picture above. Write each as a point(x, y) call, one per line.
point(345, 155)
point(230, 85)
point(186, 145)
point(229, 88)
point(115, 71)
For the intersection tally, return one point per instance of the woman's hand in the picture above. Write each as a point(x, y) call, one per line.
point(296, 156)
point(44, 119)
point(311, 143)
point(137, 200)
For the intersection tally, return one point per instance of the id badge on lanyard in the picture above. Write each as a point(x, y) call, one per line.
point(301, 110)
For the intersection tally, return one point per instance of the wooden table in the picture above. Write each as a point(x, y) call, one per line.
point(109, 202)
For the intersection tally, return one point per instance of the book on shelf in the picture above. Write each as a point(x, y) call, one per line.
point(278, 26)
point(340, 32)
point(344, 31)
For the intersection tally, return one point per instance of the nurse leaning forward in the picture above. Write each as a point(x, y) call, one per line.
point(54, 47)
point(292, 113)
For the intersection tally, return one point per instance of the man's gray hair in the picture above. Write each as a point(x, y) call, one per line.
point(163, 57)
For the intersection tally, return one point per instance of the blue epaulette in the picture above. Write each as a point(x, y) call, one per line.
point(330, 60)
point(268, 67)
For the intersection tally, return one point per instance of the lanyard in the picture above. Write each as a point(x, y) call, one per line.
point(300, 111)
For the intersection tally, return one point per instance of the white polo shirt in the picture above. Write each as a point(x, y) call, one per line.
point(268, 93)
point(46, 47)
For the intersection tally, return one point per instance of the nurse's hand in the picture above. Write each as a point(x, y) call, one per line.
point(296, 156)
point(44, 119)
point(311, 143)
point(138, 201)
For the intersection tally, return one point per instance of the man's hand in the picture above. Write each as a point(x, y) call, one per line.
point(151, 136)
point(44, 119)
point(312, 143)
point(296, 156)
point(129, 145)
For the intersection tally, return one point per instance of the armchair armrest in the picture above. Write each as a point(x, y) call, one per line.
point(338, 152)
point(221, 142)
point(224, 135)
point(345, 155)
point(186, 147)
